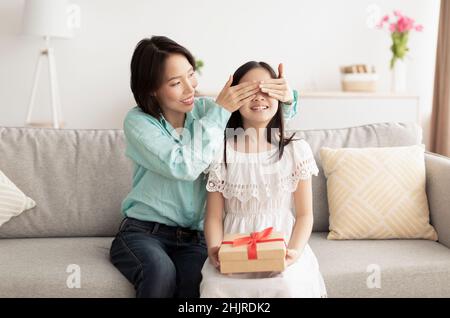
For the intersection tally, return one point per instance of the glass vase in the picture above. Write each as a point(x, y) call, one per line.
point(398, 77)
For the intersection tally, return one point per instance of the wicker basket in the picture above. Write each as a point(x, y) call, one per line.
point(359, 82)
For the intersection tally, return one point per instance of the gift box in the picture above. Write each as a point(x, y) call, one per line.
point(263, 251)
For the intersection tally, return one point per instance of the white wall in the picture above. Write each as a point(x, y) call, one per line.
point(312, 38)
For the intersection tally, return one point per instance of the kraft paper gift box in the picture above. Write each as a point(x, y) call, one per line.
point(263, 251)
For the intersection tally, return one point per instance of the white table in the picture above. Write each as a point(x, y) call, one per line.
point(326, 110)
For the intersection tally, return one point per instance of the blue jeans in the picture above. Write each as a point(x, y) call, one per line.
point(159, 260)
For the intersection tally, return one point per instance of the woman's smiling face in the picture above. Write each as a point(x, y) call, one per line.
point(176, 93)
point(260, 110)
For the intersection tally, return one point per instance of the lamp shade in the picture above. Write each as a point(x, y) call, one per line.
point(46, 18)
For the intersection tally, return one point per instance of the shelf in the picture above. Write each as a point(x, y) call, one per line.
point(337, 94)
point(341, 94)
point(42, 124)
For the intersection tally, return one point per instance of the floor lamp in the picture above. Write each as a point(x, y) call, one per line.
point(47, 19)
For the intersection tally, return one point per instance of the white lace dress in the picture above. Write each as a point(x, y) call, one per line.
point(258, 190)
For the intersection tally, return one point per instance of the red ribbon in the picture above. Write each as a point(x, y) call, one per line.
point(252, 240)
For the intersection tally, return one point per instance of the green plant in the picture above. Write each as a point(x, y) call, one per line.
point(199, 65)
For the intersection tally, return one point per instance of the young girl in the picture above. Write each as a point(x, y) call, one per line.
point(250, 190)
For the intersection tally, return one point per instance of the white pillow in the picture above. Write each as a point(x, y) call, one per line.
point(12, 200)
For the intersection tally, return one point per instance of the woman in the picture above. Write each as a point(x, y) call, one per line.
point(172, 138)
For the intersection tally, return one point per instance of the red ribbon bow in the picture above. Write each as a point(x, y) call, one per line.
point(252, 240)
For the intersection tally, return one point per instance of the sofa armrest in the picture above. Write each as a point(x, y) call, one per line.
point(438, 193)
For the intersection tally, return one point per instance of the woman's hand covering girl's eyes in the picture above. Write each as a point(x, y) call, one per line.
point(233, 98)
point(278, 88)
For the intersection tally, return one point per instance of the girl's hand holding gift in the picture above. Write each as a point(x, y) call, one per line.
point(292, 255)
point(213, 254)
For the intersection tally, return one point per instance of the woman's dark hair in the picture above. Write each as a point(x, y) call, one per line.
point(147, 70)
point(276, 123)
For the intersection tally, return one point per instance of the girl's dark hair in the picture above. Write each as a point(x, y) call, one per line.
point(277, 121)
point(147, 70)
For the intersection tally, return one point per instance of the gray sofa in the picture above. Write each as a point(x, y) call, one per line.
point(78, 179)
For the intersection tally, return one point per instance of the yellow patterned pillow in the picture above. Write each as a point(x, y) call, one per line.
point(377, 193)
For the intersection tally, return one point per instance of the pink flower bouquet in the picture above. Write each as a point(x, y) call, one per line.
point(399, 29)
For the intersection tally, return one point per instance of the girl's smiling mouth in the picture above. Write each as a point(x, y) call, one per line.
point(259, 108)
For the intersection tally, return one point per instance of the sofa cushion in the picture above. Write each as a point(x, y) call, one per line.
point(377, 193)
point(37, 268)
point(408, 268)
point(78, 179)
